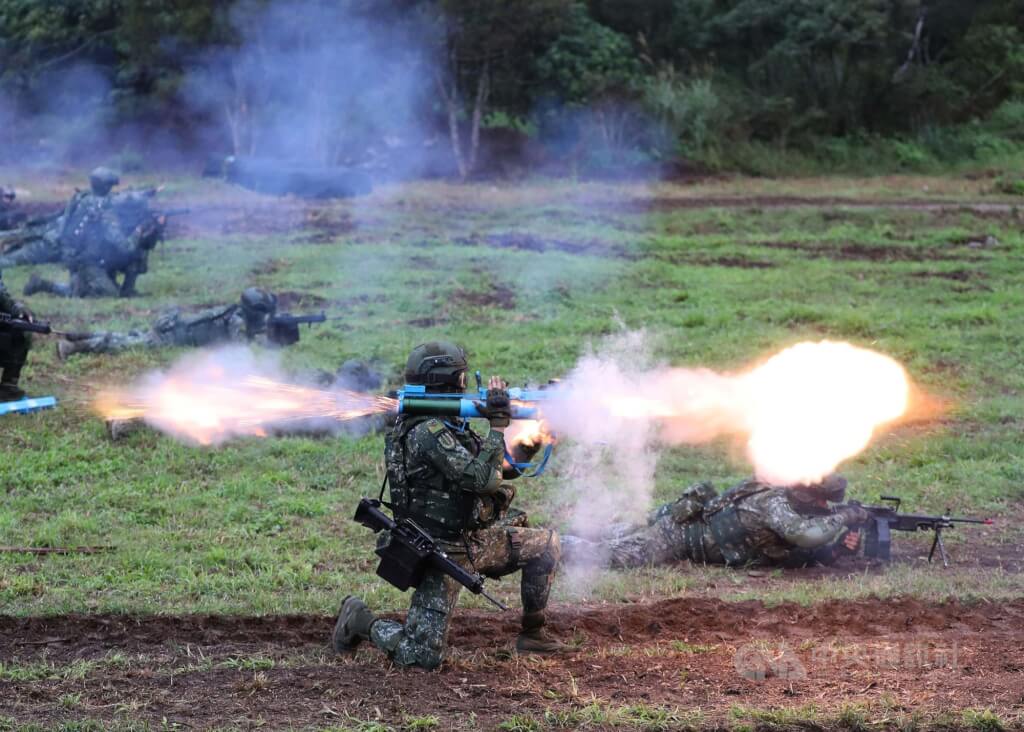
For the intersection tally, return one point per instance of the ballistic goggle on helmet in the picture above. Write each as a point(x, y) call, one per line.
point(438, 363)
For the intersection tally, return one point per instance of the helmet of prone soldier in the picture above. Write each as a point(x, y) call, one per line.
point(831, 488)
point(101, 180)
point(256, 300)
point(439, 364)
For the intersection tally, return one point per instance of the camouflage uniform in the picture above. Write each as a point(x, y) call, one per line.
point(448, 479)
point(102, 236)
point(35, 243)
point(227, 323)
point(751, 524)
point(14, 347)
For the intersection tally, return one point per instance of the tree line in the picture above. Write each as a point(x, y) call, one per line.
point(596, 82)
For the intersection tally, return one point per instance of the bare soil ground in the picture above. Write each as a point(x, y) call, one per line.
point(892, 657)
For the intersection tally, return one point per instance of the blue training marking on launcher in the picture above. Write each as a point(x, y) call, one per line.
point(27, 405)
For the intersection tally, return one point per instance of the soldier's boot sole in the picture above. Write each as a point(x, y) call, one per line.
point(64, 349)
point(352, 626)
point(539, 643)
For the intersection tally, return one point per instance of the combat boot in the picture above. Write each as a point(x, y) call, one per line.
point(534, 639)
point(35, 284)
point(66, 349)
point(353, 624)
point(9, 391)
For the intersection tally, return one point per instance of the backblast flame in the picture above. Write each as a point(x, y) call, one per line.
point(201, 401)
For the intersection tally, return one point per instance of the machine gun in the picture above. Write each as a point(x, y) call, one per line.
point(408, 551)
point(886, 518)
point(283, 329)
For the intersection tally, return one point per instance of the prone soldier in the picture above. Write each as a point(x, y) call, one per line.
point(245, 320)
point(751, 524)
point(446, 478)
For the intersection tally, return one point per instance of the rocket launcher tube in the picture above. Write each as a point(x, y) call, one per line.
point(413, 399)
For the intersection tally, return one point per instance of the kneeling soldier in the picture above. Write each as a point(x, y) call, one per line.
point(447, 478)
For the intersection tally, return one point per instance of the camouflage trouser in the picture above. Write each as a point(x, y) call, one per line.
point(87, 281)
point(493, 552)
point(663, 541)
point(114, 342)
point(39, 252)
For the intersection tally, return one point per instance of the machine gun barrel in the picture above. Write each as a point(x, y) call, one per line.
point(886, 518)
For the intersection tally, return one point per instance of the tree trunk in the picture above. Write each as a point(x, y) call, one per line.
point(451, 102)
point(482, 91)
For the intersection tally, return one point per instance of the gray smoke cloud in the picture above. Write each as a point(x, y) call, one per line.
point(321, 83)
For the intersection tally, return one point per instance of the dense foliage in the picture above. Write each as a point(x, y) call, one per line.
point(614, 80)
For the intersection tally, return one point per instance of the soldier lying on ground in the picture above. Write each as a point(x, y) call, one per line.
point(14, 346)
point(751, 524)
point(10, 216)
point(99, 240)
point(245, 320)
point(447, 478)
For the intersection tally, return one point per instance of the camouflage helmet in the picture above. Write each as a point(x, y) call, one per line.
point(102, 179)
point(437, 363)
point(832, 488)
point(256, 300)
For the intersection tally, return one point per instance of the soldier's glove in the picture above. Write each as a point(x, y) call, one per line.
point(21, 311)
point(498, 407)
point(503, 497)
point(853, 515)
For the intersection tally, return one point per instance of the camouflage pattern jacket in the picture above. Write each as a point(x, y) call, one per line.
point(214, 325)
point(445, 476)
point(92, 234)
point(752, 523)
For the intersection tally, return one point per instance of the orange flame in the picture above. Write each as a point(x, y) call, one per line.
point(801, 412)
point(208, 404)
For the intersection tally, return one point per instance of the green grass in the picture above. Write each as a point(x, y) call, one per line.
point(263, 526)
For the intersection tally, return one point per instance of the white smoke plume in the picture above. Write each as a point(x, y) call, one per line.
point(798, 415)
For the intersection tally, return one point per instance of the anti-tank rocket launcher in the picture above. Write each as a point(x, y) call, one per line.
point(414, 399)
point(526, 404)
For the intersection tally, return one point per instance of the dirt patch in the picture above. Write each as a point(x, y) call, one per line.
point(855, 252)
point(957, 275)
point(290, 299)
point(533, 243)
point(737, 262)
point(665, 204)
point(498, 296)
point(427, 322)
point(269, 267)
point(683, 653)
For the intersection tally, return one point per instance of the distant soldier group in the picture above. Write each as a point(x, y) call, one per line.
point(99, 237)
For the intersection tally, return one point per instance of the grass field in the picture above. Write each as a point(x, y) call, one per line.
point(527, 277)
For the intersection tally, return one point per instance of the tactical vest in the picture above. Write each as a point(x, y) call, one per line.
point(422, 493)
point(723, 521)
